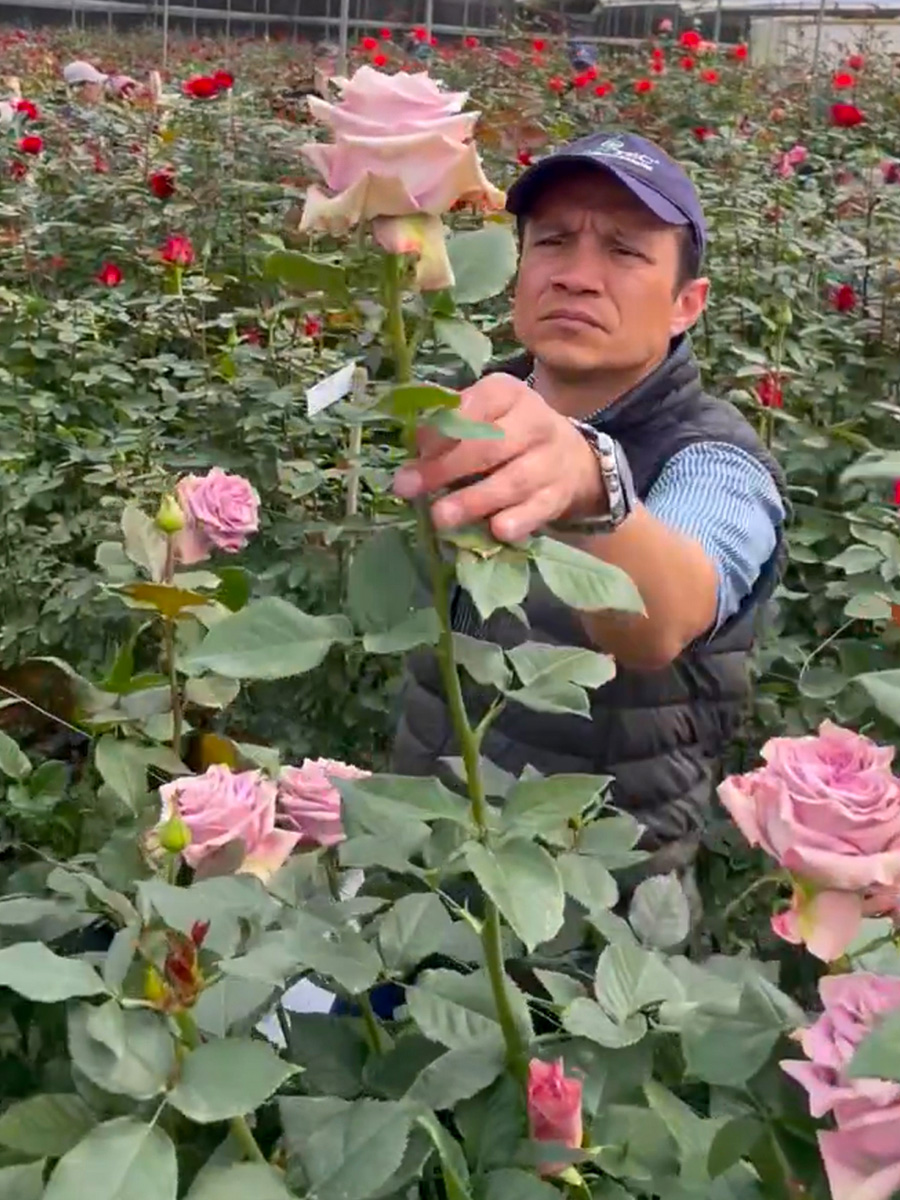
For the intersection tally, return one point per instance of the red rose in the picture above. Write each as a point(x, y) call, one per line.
point(657, 67)
point(470, 42)
point(379, 60)
point(538, 45)
point(701, 133)
point(709, 75)
point(32, 144)
point(842, 79)
point(369, 43)
point(603, 89)
point(690, 39)
point(856, 62)
point(524, 159)
point(845, 116)
point(739, 52)
point(642, 86)
point(18, 169)
point(223, 80)
point(843, 298)
point(312, 327)
point(581, 80)
point(556, 83)
point(686, 63)
point(109, 275)
point(201, 87)
point(177, 250)
point(768, 390)
point(657, 53)
point(28, 109)
point(420, 33)
point(384, 34)
point(162, 184)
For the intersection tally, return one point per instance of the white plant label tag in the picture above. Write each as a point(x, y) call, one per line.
point(329, 390)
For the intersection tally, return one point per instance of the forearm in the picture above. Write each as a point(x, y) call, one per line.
point(677, 581)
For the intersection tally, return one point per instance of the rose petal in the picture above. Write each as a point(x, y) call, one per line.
point(853, 1175)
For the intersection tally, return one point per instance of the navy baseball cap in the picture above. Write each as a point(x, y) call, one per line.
point(647, 171)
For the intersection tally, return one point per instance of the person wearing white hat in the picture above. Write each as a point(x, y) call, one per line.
point(88, 81)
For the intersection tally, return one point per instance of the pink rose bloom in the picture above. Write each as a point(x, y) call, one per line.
point(402, 147)
point(785, 162)
point(221, 511)
point(554, 1108)
point(827, 809)
point(862, 1156)
point(221, 806)
point(310, 803)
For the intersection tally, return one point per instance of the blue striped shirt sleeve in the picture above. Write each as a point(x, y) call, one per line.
point(726, 500)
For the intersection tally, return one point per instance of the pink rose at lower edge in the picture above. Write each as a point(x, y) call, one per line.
point(554, 1108)
point(827, 808)
point(862, 1155)
point(402, 146)
point(309, 802)
point(221, 512)
point(221, 806)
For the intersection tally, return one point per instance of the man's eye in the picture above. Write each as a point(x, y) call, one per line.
point(627, 251)
point(550, 239)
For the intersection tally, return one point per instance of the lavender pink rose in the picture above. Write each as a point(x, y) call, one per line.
point(309, 802)
point(862, 1154)
point(554, 1108)
point(221, 511)
point(827, 809)
point(222, 806)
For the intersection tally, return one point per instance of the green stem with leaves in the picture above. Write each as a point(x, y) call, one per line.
point(240, 1130)
point(169, 645)
point(374, 1032)
point(469, 739)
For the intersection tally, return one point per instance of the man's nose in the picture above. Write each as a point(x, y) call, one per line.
point(577, 279)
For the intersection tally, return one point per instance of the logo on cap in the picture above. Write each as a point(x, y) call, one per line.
point(615, 148)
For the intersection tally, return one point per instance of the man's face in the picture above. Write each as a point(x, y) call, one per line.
point(598, 279)
point(90, 93)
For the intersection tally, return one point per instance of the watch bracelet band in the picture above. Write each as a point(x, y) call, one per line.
point(616, 482)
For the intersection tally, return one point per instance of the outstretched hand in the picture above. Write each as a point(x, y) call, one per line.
point(540, 471)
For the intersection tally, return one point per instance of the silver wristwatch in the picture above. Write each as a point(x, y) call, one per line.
point(617, 483)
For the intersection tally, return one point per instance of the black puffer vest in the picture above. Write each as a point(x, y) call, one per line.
point(661, 734)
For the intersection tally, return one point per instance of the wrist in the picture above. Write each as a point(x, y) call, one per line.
point(606, 497)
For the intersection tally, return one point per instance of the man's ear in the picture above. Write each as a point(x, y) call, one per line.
point(689, 305)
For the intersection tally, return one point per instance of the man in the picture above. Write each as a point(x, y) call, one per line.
point(86, 81)
point(607, 403)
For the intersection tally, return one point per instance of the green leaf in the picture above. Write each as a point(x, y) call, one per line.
point(883, 688)
point(382, 582)
point(563, 989)
point(410, 399)
point(500, 581)
point(878, 1054)
point(269, 639)
point(691, 1133)
point(13, 762)
point(419, 628)
point(483, 262)
point(228, 1078)
point(542, 806)
point(240, 1181)
point(346, 1151)
point(24, 1181)
point(458, 1075)
point(124, 1051)
point(454, 425)
point(854, 560)
point(412, 929)
point(586, 1018)
point(225, 902)
point(122, 1159)
point(211, 691)
point(231, 1001)
point(145, 543)
point(341, 954)
point(611, 840)
point(123, 768)
point(45, 1126)
point(396, 799)
point(301, 273)
point(550, 697)
point(509, 1183)
point(629, 978)
point(536, 663)
point(453, 1163)
point(332, 1054)
point(582, 581)
point(234, 589)
point(588, 881)
point(727, 1047)
point(878, 464)
point(457, 1010)
point(32, 970)
point(522, 880)
point(484, 661)
point(659, 912)
point(732, 1142)
point(868, 606)
point(465, 340)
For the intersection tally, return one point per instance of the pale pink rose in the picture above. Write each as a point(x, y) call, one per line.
point(401, 146)
point(554, 1108)
point(222, 806)
point(221, 511)
point(827, 809)
point(861, 1156)
point(664, 26)
point(422, 235)
point(310, 803)
point(786, 161)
